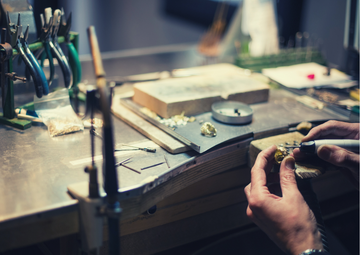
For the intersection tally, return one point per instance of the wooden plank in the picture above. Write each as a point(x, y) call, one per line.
point(209, 194)
point(158, 136)
point(239, 176)
point(184, 231)
point(195, 94)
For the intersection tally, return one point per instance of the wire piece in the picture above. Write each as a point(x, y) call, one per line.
point(152, 165)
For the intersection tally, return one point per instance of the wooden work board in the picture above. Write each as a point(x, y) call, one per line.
point(194, 90)
point(158, 136)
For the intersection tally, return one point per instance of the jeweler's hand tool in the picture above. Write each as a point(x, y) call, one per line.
point(64, 30)
point(152, 165)
point(40, 83)
point(137, 148)
point(48, 37)
point(63, 62)
point(122, 162)
point(34, 62)
point(311, 147)
point(45, 39)
point(95, 133)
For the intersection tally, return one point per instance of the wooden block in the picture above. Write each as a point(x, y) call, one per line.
point(212, 193)
point(195, 94)
point(158, 136)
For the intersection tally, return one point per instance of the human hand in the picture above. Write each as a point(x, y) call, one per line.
point(348, 161)
point(286, 219)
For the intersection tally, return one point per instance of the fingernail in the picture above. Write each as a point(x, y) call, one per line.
point(289, 162)
point(324, 152)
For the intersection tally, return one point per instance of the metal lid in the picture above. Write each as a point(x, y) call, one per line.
point(232, 112)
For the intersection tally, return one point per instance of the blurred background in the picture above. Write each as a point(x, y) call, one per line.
point(137, 24)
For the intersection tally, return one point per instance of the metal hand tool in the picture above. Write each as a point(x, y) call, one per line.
point(122, 162)
point(64, 30)
point(311, 147)
point(34, 61)
point(63, 62)
point(152, 165)
point(95, 133)
point(40, 83)
point(111, 185)
point(137, 148)
point(46, 28)
point(49, 38)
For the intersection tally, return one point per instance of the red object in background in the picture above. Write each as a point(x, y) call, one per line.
point(311, 76)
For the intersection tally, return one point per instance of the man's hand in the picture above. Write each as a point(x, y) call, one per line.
point(349, 161)
point(287, 220)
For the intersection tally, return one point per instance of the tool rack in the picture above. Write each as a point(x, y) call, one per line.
point(285, 57)
point(8, 117)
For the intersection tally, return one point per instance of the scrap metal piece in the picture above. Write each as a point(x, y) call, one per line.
point(208, 129)
point(280, 154)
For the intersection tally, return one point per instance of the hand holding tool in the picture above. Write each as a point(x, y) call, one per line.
point(311, 147)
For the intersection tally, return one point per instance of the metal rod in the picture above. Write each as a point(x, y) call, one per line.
point(152, 165)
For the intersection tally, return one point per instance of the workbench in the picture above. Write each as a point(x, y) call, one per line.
point(200, 195)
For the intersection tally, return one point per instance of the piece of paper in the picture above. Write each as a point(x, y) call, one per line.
point(307, 75)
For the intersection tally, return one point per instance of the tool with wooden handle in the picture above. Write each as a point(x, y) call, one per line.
point(110, 175)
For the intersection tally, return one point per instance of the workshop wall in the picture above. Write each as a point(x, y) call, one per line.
point(325, 20)
point(124, 24)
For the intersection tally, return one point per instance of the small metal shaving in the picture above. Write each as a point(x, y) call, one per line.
point(173, 122)
point(62, 127)
point(208, 129)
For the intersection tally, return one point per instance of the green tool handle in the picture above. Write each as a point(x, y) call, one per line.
point(76, 66)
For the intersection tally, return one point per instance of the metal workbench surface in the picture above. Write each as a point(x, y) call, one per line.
point(36, 169)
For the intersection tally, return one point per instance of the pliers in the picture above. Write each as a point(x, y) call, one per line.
point(48, 37)
point(64, 30)
point(18, 41)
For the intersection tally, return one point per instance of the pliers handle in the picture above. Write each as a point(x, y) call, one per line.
point(41, 84)
point(17, 41)
point(64, 30)
point(58, 53)
point(52, 49)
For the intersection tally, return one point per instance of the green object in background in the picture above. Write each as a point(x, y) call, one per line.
point(286, 57)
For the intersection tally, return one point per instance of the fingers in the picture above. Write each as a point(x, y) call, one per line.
point(261, 166)
point(333, 129)
point(339, 156)
point(287, 177)
point(247, 191)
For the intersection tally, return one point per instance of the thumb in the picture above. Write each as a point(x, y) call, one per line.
point(287, 176)
point(338, 156)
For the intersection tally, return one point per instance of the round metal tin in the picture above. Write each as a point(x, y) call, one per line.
point(232, 112)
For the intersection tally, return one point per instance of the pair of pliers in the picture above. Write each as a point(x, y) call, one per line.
point(19, 42)
point(48, 37)
point(64, 30)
